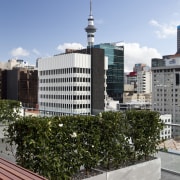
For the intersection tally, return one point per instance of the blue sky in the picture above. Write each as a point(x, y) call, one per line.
point(39, 28)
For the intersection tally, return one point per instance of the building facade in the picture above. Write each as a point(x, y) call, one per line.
point(166, 87)
point(19, 81)
point(144, 82)
point(139, 67)
point(129, 97)
point(132, 80)
point(166, 133)
point(21, 84)
point(16, 63)
point(134, 106)
point(115, 73)
point(72, 83)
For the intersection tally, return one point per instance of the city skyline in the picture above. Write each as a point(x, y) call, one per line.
point(33, 29)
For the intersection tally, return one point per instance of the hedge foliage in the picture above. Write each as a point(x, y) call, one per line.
point(57, 147)
point(9, 110)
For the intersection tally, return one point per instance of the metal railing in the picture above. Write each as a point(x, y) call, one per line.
point(170, 154)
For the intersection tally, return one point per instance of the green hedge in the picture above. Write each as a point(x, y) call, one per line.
point(145, 127)
point(9, 110)
point(56, 147)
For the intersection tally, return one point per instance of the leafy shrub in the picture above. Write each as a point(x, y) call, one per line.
point(9, 110)
point(145, 128)
point(57, 147)
point(114, 143)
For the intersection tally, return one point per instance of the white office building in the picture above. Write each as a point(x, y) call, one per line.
point(69, 84)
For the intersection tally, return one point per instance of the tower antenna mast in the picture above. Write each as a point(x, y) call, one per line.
point(90, 7)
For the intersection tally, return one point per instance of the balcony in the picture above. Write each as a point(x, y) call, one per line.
point(170, 165)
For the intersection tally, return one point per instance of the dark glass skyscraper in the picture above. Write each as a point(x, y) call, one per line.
point(115, 73)
point(178, 39)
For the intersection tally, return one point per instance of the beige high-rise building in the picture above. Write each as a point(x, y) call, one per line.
point(144, 82)
point(166, 87)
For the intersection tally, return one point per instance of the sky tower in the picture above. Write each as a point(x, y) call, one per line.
point(90, 29)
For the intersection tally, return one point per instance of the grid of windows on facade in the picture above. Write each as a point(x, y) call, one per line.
point(65, 106)
point(66, 88)
point(67, 97)
point(115, 75)
point(158, 62)
point(115, 72)
point(52, 113)
point(65, 71)
point(164, 78)
point(166, 132)
point(177, 76)
point(163, 70)
point(67, 79)
point(166, 135)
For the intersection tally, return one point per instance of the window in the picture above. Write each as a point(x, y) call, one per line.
point(177, 79)
point(74, 70)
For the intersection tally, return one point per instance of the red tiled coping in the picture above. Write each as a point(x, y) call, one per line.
point(10, 171)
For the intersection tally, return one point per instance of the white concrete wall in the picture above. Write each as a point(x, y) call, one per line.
point(63, 61)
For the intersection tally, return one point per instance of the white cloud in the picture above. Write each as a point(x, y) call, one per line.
point(134, 54)
point(18, 52)
point(164, 30)
point(65, 46)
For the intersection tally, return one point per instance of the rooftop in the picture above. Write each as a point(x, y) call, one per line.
point(165, 175)
point(10, 171)
point(170, 165)
point(171, 145)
